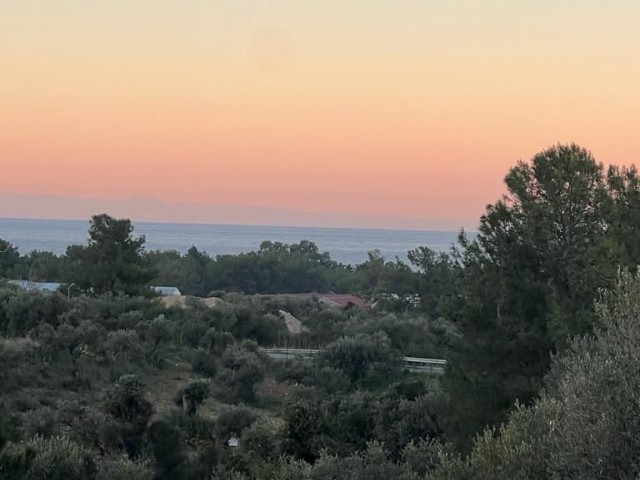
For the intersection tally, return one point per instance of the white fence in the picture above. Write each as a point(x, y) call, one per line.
point(413, 364)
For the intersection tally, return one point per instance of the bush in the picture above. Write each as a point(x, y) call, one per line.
point(240, 370)
point(168, 451)
point(371, 464)
point(233, 421)
point(59, 458)
point(204, 363)
point(357, 355)
point(122, 468)
point(193, 426)
point(191, 396)
point(127, 402)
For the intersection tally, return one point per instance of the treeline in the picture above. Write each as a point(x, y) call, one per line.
point(274, 268)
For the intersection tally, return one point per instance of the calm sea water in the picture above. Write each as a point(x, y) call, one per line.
point(346, 245)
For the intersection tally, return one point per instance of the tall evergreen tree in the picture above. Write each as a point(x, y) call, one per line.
point(113, 261)
point(530, 278)
point(9, 258)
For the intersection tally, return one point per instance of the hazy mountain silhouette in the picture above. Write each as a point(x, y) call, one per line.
point(147, 209)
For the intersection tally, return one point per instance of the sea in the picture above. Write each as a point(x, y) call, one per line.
point(346, 245)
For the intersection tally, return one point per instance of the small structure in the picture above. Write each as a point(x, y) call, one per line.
point(36, 286)
point(167, 291)
point(342, 300)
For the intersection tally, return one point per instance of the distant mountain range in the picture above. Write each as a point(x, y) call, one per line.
point(14, 205)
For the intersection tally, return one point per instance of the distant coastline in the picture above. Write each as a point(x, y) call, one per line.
point(52, 207)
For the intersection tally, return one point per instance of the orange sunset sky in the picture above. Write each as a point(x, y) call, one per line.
point(411, 108)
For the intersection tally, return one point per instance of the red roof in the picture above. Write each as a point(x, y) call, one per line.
point(343, 300)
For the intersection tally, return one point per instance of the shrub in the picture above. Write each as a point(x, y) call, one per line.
point(240, 370)
point(204, 363)
point(59, 458)
point(358, 354)
point(122, 468)
point(233, 421)
point(191, 396)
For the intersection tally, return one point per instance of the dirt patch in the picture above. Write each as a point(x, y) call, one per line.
point(164, 385)
point(181, 301)
point(270, 388)
point(293, 324)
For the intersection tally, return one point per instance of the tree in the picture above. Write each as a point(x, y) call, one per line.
point(127, 402)
point(586, 423)
point(168, 450)
point(240, 369)
point(9, 258)
point(438, 275)
point(192, 396)
point(528, 282)
point(113, 261)
point(155, 332)
point(42, 267)
point(357, 355)
point(400, 422)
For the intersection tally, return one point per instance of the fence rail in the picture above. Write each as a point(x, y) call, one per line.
point(413, 364)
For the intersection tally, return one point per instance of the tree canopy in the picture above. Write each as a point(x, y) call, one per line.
point(113, 261)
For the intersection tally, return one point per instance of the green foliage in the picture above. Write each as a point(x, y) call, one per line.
point(191, 396)
point(377, 275)
point(191, 273)
point(216, 342)
point(15, 461)
point(194, 427)
point(501, 307)
point(19, 360)
point(155, 333)
point(3, 430)
point(263, 439)
point(438, 280)
point(127, 403)
point(371, 464)
point(303, 373)
point(59, 458)
point(233, 421)
point(168, 451)
point(241, 367)
point(9, 258)
point(343, 424)
point(112, 262)
point(204, 363)
point(357, 355)
point(122, 468)
point(529, 281)
point(43, 266)
point(585, 424)
point(399, 422)
point(22, 311)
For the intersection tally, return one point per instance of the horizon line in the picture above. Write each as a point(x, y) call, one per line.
point(172, 222)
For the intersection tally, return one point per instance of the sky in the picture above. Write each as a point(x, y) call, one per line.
point(407, 108)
